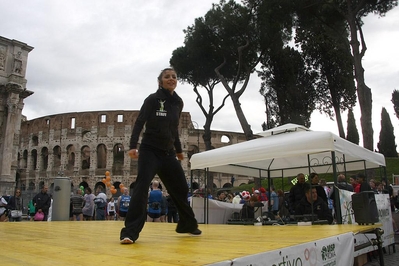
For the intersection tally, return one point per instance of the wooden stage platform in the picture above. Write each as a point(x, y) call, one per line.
point(97, 242)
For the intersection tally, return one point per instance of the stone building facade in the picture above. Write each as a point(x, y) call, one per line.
point(13, 62)
point(84, 145)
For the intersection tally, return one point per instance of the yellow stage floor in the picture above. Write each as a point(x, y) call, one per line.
point(97, 242)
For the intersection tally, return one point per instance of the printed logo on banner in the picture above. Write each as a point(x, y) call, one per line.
point(328, 253)
point(331, 251)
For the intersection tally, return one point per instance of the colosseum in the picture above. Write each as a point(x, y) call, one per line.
point(84, 145)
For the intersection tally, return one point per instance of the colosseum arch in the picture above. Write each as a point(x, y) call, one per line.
point(56, 157)
point(101, 156)
point(83, 184)
point(225, 139)
point(34, 159)
point(99, 184)
point(71, 157)
point(24, 160)
point(227, 185)
point(35, 141)
point(44, 158)
point(118, 159)
point(85, 155)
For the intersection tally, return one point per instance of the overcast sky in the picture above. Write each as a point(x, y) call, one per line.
point(105, 55)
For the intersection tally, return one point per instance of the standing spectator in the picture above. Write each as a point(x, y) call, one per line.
point(283, 211)
point(388, 187)
point(327, 191)
point(31, 210)
point(15, 205)
point(222, 196)
point(263, 196)
point(123, 204)
point(164, 209)
point(154, 203)
point(101, 204)
point(77, 202)
point(173, 215)
point(50, 210)
point(341, 184)
point(354, 183)
point(364, 186)
point(297, 192)
point(274, 201)
point(373, 185)
point(88, 208)
point(42, 202)
point(314, 180)
point(160, 153)
point(3, 210)
point(111, 209)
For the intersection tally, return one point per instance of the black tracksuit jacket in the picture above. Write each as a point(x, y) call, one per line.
point(160, 114)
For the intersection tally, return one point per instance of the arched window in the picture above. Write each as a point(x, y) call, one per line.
point(57, 156)
point(119, 157)
point(71, 157)
point(85, 157)
point(34, 159)
point(24, 164)
point(101, 156)
point(44, 156)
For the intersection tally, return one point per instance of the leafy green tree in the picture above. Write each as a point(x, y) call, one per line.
point(353, 11)
point(352, 132)
point(288, 87)
point(387, 144)
point(195, 63)
point(395, 101)
point(320, 34)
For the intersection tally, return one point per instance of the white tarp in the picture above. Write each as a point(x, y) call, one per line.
point(287, 151)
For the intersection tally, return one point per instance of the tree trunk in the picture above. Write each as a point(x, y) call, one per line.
point(241, 118)
point(363, 92)
point(338, 117)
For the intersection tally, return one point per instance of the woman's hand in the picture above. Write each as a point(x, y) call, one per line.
point(180, 156)
point(133, 153)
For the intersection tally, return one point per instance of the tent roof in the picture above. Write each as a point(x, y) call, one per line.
point(287, 151)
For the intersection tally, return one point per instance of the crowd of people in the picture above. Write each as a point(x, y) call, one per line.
point(306, 198)
point(87, 206)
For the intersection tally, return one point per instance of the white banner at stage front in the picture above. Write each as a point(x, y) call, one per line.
point(385, 218)
point(332, 251)
point(219, 212)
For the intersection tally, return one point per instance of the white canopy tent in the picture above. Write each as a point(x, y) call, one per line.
point(286, 151)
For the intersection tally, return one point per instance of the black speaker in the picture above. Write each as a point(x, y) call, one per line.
point(365, 207)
